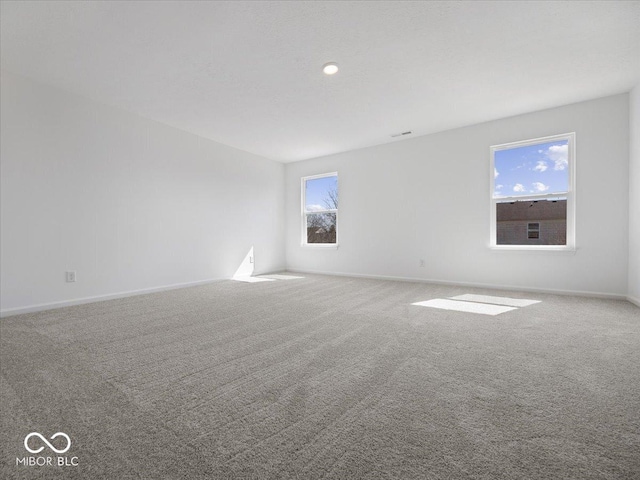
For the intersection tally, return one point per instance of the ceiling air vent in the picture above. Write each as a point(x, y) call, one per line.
point(409, 132)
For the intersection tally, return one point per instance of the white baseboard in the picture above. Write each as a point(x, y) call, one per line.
point(99, 298)
point(611, 296)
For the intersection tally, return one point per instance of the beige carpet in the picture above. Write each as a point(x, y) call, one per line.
point(324, 377)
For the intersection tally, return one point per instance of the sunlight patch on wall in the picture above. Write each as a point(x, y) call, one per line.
point(246, 267)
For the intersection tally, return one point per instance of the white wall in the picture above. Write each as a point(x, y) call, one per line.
point(427, 198)
point(131, 204)
point(126, 202)
point(634, 196)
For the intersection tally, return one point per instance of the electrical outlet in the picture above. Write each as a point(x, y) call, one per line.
point(71, 276)
point(423, 263)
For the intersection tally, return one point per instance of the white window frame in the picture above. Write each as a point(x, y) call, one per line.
point(304, 212)
point(531, 230)
point(570, 195)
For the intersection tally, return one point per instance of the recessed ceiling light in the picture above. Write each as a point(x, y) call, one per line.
point(330, 68)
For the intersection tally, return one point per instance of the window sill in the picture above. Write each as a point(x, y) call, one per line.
point(330, 246)
point(556, 250)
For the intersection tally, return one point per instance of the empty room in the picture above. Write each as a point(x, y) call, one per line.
point(320, 240)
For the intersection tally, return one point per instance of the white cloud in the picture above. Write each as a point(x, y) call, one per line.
point(541, 166)
point(315, 208)
point(518, 187)
point(495, 173)
point(540, 187)
point(559, 155)
point(498, 187)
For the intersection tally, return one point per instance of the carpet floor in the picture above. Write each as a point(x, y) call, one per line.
point(323, 377)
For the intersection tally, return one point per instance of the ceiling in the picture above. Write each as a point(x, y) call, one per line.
point(249, 74)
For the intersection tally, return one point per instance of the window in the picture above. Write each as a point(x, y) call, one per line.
point(533, 230)
point(320, 210)
point(532, 194)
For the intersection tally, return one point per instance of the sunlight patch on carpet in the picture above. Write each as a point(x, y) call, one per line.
point(248, 279)
point(278, 276)
point(511, 302)
point(468, 307)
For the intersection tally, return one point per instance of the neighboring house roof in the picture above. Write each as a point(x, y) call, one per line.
point(532, 211)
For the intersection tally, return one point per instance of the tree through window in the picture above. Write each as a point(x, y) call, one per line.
point(320, 209)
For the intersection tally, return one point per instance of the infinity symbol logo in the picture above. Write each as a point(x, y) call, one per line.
point(36, 434)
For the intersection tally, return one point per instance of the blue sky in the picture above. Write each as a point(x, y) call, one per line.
point(316, 192)
point(534, 169)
